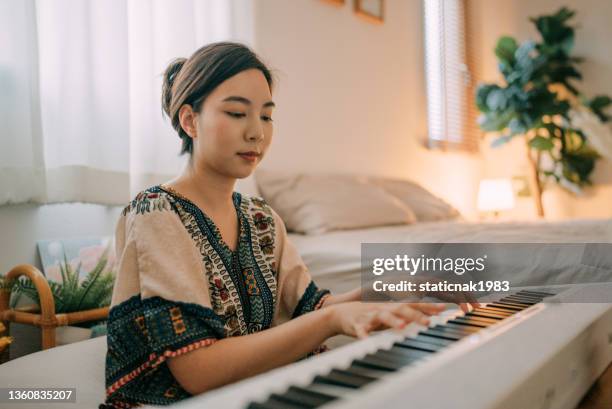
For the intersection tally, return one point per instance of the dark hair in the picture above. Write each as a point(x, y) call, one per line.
point(190, 81)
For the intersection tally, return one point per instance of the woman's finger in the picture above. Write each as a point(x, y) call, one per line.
point(388, 319)
point(428, 308)
point(360, 331)
point(409, 314)
point(472, 300)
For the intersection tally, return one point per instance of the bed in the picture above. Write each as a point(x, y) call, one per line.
point(334, 258)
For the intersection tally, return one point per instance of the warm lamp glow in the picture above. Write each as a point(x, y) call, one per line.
point(495, 195)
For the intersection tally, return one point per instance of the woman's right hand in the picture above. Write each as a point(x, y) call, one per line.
point(358, 319)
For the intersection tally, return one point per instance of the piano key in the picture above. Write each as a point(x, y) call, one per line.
point(370, 361)
point(476, 318)
point(457, 329)
point(330, 390)
point(508, 306)
point(540, 293)
point(495, 309)
point(290, 399)
point(520, 300)
point(526, 297)
point(462, 326)
point(485, 315)
point(468, 322)
point(310, 397)
point(525, 294)
point(361, 370)
point(276, 402)
point(447, 335)
point(433, 340)
point(517, 301)
point(343, 378)
point(418, 345)
point(396, 355)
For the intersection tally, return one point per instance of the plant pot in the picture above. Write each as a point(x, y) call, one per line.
point(69, 334)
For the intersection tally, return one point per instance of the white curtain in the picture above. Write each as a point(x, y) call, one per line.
point(80, 84)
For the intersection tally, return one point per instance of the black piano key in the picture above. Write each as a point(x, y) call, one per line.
point(476, 318)
point(312, 397)
point(418, 345)
point(507, 306)
point(537, 293)
point(444, 334)
point(396, 355)
point(343, 378)
point(330, 390)
point(457, 329)
point(289, 398)
point(361, 370)
point(468, 322)
point(526, 297)
point(514, 304)
point(301, 397)
point(275, 401)
point(495, 310)
point(462, 327)
point(485, 315)
point(373, 362)
point(519, 300)
point(433, 340)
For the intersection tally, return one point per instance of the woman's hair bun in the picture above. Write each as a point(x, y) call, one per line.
point(169, 75)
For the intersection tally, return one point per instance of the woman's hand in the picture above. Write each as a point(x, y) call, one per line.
point(358, 319)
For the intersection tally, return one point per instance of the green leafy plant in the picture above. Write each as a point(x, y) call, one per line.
point(94, 291)
point(540, 102)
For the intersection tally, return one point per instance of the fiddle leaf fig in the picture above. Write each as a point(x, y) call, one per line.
point(539, 76)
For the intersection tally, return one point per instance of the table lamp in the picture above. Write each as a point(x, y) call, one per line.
point(495, 195)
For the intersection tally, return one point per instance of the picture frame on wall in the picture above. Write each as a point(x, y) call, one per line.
point(371, 10)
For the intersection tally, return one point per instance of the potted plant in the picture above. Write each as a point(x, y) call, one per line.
point(566, 132)
point(72, 295)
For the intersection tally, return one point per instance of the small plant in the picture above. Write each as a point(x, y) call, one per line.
point(94, 291)
point(564, 130)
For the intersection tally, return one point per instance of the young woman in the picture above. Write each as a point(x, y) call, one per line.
point(209, 290)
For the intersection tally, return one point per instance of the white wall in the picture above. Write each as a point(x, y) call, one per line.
point(351, 95)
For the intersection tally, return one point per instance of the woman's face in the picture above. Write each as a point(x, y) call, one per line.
point(233, 129)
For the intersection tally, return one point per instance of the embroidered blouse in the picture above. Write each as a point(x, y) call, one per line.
point(179, 287)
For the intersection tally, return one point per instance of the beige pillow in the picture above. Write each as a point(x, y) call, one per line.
point(425, 205)
point(313, 204)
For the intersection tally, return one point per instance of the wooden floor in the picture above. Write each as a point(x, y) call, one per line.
point(600, 394)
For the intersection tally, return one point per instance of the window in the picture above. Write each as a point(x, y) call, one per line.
point(450, 107)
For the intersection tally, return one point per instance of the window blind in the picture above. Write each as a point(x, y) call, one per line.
point(450, 90)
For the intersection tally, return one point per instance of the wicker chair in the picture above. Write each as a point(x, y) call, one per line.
point(42, 316)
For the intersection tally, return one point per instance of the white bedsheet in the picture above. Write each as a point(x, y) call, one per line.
point(334, 259)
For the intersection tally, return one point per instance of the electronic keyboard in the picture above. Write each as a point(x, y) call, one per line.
point(521, 351)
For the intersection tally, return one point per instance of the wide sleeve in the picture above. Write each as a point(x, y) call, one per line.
point(297, 292)
point(160, 308)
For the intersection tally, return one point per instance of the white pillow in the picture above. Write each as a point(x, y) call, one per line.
point(313, 204)
point(423, 203)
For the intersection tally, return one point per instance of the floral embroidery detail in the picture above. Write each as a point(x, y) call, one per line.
point(222, 290)
point(267, 245)
point(249, 280)
point(146, 202)
point(262, 221)
point(259, 202)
